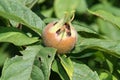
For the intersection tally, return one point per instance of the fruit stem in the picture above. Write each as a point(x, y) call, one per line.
point(69, 16)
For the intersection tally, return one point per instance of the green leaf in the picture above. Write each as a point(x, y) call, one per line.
point(106, 7)
point(47, 13)
point(67, 65)
point(37, 73)
point(114, 78)
point(87, 32)
point(14, 10)
point(28, 3)
point(104, 75)
point(41, 1)
point(26, 67)
point(108, 17)
point(108, 29)
point(58, 68)
point(82, 6)
point(108, 46)
point(16, 37)
point(82, 72)
point(3, 53)
point(20, 67)
point(45, 59)
point(110, 65)
point(48, 20)
point(61, 6)
point(80, 28)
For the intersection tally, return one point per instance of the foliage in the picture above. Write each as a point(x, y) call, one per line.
point(96, 54)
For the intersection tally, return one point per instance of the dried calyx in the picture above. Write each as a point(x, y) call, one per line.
point(66, 29)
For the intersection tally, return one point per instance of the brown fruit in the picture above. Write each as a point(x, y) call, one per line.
point(62, 37)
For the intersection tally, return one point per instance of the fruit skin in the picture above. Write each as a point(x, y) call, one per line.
point(63, 44)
